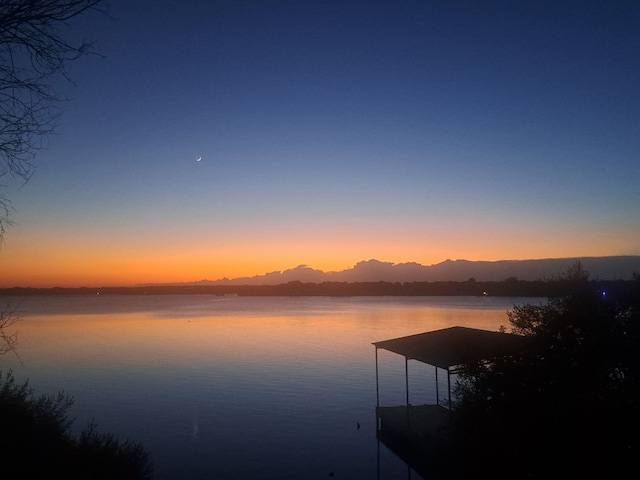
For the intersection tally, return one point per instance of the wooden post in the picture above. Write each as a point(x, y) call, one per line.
point(377, 385)
point(437, 389)
point(449, 386)
point(406, 377)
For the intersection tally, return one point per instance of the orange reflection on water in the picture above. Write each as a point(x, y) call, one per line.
point(340, 331)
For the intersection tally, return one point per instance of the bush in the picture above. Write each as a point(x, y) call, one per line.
point(568, 406)
point(36, 443)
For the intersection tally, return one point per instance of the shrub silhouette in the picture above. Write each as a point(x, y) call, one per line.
point(567, 407)
point(36, 442)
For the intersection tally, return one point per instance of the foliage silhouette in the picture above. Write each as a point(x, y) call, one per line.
point(566, 407)
point(36, 441)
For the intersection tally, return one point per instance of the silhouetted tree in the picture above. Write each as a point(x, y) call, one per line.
point(35, 438)
point(566, 407)
point(34, 53)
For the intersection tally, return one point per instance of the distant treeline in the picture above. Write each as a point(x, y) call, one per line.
point(507, 288)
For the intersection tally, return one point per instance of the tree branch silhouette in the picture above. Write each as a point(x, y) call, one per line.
point(34, 53)
point(8, 340)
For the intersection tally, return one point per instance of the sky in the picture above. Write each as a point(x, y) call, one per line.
point(332, 132)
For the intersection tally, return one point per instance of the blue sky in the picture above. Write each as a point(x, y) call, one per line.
point(333, 132)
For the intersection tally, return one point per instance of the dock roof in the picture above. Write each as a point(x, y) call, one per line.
point(454, 346)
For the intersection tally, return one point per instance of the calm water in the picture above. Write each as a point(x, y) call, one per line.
point(237, 387)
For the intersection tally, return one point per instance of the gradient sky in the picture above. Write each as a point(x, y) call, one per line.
point(333, 132)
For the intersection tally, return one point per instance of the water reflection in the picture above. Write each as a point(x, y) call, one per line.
point(235, 387)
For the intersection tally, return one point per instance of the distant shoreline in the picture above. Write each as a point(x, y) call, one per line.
point(507, 288)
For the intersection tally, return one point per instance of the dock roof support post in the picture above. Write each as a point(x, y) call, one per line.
point(449, 386)
point(377, 384)
point(437, 389)
point(406, 376)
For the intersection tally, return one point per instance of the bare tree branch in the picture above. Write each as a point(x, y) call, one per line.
point(34, 53)
point(8, 341)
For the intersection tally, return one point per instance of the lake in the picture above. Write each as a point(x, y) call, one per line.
point(226, 387)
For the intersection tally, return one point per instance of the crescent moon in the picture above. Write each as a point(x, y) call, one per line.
point(198, 159)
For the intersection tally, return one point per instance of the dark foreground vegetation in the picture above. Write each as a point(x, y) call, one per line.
point(569, 406)
point(36, 442)
point(510, 287)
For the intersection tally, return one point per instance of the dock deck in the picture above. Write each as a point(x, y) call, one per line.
point(418, 434)
point(414, 423)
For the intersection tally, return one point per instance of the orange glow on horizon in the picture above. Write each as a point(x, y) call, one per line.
point(105, 272)
point(90, 260)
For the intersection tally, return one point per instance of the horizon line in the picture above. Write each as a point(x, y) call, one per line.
point(306, 266)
